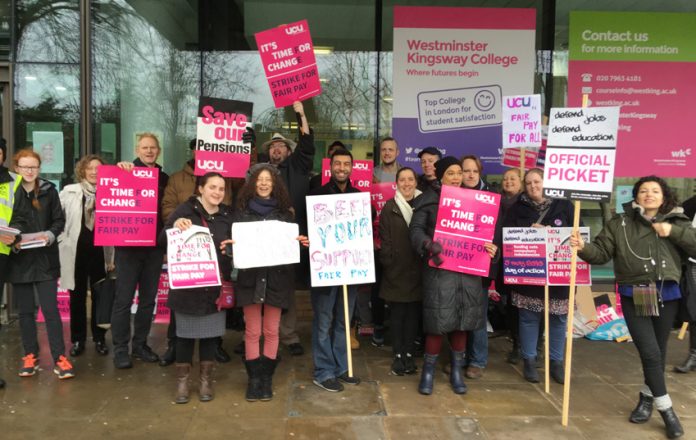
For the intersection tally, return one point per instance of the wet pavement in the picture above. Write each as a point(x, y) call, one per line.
point(138, 403)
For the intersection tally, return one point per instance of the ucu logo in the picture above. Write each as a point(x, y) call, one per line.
point(361, 166)
point(555, 193)
point(297, 29)
point(485, 198)
point(215, 165)
point(519, 102)
point(147, 174)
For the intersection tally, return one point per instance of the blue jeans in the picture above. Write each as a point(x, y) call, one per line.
point(529, 334)
point(329, 331)
point(477, 343)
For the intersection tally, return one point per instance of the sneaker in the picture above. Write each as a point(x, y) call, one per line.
point(63, 368)
point(145, 354)
point(410, 364)
point(398, 368)
point(378, 337)
point(296, 349)
point(30, 365)
point(331, 385)
point(349, 380)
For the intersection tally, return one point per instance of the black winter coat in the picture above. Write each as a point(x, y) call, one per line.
point(522, 214)
point(201, 301)
point(401, 266)
point(295, 171)
point(38, 264)
point(161, 186)
point(272, 285)
point(451, 300)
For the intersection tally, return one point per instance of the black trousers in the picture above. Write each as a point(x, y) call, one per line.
point(404, 325)
point(141, 267)
point(185, 347)
point(89, 268)
point(25, 295)
point(377, 303)
point(650, 335)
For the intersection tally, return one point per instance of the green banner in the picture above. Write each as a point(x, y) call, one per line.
point(632, 36)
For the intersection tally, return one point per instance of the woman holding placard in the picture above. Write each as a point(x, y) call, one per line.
point(401, 275)
point(648, 243)
point(197, 314)
point(34, 271)
point(263, 292)
point(82, 264)
point(532, 209)
point(452, 301)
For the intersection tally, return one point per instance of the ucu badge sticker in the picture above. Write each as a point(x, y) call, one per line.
point(555, 193)
point(296, 29)
point(485, 198)
point(214, 165)
point(360, 166)
point(147, 174)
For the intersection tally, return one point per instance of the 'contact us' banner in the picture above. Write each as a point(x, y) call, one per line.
point(644, 62)
point(452, 67)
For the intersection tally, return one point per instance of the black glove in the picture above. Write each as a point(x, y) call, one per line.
point(433, 249)
point(249, 137)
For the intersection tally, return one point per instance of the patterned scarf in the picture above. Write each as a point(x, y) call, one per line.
point(89, 192)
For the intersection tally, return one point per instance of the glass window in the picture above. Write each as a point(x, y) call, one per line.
point(47, 31)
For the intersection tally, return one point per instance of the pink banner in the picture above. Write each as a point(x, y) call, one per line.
point(63, 300)
point(126, 206)
point(287, 55)
point(465, 222)
point(360, 177)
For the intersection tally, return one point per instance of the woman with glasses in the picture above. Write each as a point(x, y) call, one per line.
point(34, 270)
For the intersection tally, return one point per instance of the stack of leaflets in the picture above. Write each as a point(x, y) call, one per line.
point(34, 240)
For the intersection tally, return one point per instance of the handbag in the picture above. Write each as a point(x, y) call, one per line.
point(225, 299)
point(103, 295)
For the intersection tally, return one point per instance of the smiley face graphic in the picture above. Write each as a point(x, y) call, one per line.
point(484, 100)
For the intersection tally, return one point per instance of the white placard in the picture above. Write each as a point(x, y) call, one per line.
point(265, 243)
point(579, 173)
point(522, 121)
point(341, 242)
point(583, 127)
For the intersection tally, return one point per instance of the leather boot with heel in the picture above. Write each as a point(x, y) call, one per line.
point(672, 425)
point(643, 410)
point(205, 393)
point(182, 382)
point(427, 374)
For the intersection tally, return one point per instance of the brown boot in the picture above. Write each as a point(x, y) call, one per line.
point(205, 393)
point(182, 384)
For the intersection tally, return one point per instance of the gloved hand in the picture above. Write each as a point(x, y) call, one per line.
point(249, 136)
point(433, 249)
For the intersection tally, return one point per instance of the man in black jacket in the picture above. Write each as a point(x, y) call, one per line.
point(140, 266)
point(328, 327)
point(295, 162)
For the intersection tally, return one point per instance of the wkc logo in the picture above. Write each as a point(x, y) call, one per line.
point(296, 29)
point(682, 153)
point(214, 165)
point(555, 193)
point(147, 174)
point(485, 198)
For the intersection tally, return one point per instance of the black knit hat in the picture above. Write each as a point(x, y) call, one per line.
point(444, 163)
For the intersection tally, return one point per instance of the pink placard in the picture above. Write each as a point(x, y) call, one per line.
point(220, 127)
point(360, 177)
point(558, 254)
point(63, 300)
point(287, 55)
point(191, 258)
point(126, 206)
point(511, 157)
point(524, 256)
point(465, 222)
point(380, 193)
point(162, 312)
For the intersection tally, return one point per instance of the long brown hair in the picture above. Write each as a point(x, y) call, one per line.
point(82, 164)
point(28, 153)
point(280, 191)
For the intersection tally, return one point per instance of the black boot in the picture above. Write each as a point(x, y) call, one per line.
point(428, 374)
point(689, 364)
point(672, 426)
point(643, 410)
point(514, 355)
point(253, 392)
point(169, 356)
point(530, 372)
point(268, 367)
point(220, 353)
point(458, 385)
point(557, 371)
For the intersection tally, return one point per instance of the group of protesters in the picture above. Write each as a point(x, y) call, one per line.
point(650, 243)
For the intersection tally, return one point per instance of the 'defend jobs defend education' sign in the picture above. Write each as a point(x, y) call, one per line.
point(644, 62)
point(341, 248)
point(126, 206)
point(287, 55)
point(581, 153)
point(465, 223)
point(452, 67)
point(219, 129)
